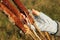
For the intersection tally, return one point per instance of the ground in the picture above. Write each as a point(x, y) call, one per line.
point(11, 32)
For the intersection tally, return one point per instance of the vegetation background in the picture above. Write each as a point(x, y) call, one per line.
point(11, 32)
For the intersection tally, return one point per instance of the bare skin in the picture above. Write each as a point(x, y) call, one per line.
point(35, 12)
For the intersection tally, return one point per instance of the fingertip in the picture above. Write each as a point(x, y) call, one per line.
point(33, 9)
point(35, 12)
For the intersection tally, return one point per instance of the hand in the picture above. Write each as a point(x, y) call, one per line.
point(44, 22)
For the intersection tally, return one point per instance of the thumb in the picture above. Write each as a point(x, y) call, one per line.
point(35, 12)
